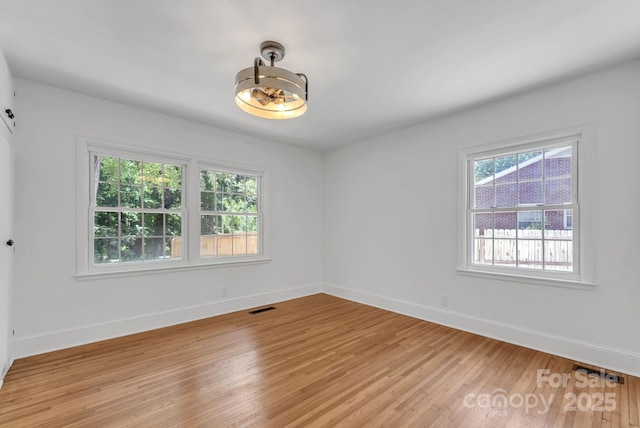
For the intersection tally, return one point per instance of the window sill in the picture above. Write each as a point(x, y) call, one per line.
point(532, 280)
point(114, 273)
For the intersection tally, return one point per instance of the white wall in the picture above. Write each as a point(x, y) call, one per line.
point(52, 309)
point(390, 221)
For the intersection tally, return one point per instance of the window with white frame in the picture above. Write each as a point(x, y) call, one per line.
point(522, 208)
point(229, 218)
point(150, 210)
point(136, 208)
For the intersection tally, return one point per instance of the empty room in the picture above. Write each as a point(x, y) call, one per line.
point(319, 214)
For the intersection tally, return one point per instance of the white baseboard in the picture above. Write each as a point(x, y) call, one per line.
point(5, 371)
point(53, 341)
point(619, 360)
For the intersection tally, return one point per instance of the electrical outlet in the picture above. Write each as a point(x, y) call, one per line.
point(224, 292)
point(444, 300)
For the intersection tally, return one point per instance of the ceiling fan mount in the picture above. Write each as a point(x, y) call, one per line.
point(272, 51)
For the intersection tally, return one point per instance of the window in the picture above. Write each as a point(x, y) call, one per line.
point(522, 208)
point(228, 214)
point(136, 209)
point(148, 210)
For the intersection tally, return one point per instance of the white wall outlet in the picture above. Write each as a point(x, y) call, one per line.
point(444, 300)
point(224, 292)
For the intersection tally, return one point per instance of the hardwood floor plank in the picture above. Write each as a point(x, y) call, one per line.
point(313, 362)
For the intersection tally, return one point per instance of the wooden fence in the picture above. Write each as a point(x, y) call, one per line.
point(503, 248)
point(220, 245)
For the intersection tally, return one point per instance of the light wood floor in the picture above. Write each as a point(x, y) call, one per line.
point(317, 361)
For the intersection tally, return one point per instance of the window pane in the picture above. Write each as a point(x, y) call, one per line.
point(154, 248)
point(223, 181)
point(173, 248)
point(152, 172)
point(131, 224)
point(567, 219)
point(239, 224)
point(207, 180)
point(173, 176)
point(557, 191)
point(506, 195)
point(207, 201)
point(482, 170)
point(225, 240)
point(558, 255)
point(153, 224)
point(239, 204)
point(209, 224)
point(152, 197)
point(556, 226)
point(557, 162)
point(530, 224)
point(131, 196)
point(506, 221)
point(252, 186)
point(106, 168)
point(130, 171)
point(530, 192)
point(483, 251)
point(105, 224)
point(105, 250)
point(226, 223)
point(107, 195)
point(223, 202)
point(530, 254)
point(506, 170)
point(174, 224)
point(252, 235)
point(504, 252)
point(484, 196)
point(504, 234)
point(530, 166)
point(252, 224)
point(237, 185)
point(240, 245)
point(252, 204)
point(208, 245)
point(131, 249)
point(483, 224)
point(173, 199)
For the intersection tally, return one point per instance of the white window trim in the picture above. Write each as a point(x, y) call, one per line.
point(85, 269)
point(583, 278)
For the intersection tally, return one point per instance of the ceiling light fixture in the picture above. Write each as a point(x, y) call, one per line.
point(271, 92)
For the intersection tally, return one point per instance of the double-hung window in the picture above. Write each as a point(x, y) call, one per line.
point(522, 208)
point(229, 217)
point(149, 210)
point(136, 208)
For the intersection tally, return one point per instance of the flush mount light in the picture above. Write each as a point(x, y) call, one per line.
point(271, 92)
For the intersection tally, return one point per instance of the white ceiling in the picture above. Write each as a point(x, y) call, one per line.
point(373, 67)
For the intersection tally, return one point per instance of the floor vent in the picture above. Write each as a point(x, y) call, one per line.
point(599, 373)
point(259, 311)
